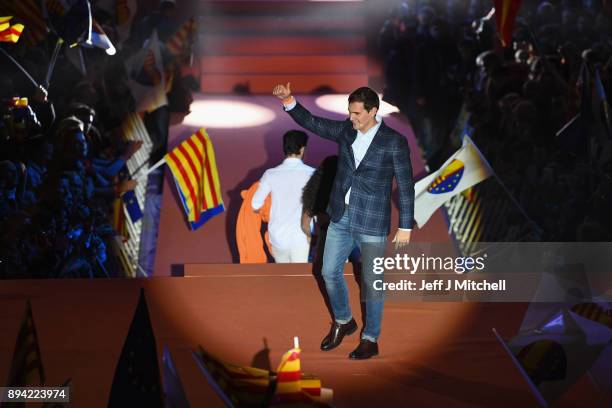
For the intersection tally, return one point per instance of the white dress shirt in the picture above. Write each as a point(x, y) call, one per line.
point(285, 182)
point(360, 148)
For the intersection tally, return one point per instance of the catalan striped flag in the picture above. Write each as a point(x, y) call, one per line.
point(5, 22)
point(29, 13)
point(26, 367)
point(182, 40)
point(146, 81)
point(194, 168)
point(9, 33)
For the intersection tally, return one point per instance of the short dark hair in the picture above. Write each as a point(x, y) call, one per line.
point(293, 141)
point(78, 109)
point(367, 96)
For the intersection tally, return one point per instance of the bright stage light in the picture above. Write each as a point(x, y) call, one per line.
point(223, 113)
point(339, 104)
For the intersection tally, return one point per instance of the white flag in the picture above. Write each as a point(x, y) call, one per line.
point(146, 65)
point(462, 170)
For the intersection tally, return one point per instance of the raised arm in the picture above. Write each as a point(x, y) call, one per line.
point(326, 128)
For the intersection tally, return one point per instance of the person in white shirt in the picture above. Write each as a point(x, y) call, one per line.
point(285, 182)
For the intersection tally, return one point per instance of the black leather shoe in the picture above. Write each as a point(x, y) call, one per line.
point(337, 333)
point(366, 349)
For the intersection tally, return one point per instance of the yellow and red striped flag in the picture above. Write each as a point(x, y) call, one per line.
point(5, 22)
point(28, 13)
point(294, 388)
point(194, 168)
point(182, 40)
point(26, 367)
point(9, 33)
point(505, 16)
point(240, 386)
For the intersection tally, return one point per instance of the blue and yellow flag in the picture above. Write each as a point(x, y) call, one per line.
point(464, 169)
point(194, 168)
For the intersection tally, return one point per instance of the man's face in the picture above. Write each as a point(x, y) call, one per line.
point(360, 117)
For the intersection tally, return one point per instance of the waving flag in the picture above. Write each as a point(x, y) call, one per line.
point(194, 168)
point(146, 79)
point(99, 39)
point(9, 33)
point(505, 16)
point(554, 356)
point(462, 170)
point(28, 13)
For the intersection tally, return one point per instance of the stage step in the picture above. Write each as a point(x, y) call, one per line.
point(345, 8)
point(264, 83)
point(311, 44)
point(262, 44)
point(281, 25)
point(303, 64)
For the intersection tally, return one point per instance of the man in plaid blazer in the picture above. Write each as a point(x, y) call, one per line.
point(370, 155)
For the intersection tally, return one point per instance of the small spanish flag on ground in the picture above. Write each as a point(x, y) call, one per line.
point(243, 387)
point(182, 40)
point(194, 168)
point(294, 389)
point(9, 33)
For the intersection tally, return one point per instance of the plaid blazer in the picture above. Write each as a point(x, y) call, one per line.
point(371, 183)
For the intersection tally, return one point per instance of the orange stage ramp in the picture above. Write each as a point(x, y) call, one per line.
point(432, 354)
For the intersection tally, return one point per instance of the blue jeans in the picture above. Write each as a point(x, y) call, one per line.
point(338, 245)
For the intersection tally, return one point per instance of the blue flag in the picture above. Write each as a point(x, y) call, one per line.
point(132, 206)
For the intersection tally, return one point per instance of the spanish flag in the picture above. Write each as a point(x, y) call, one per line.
point(236, 386)
point(505, 16)
point(294, 389)
point(194, 169)
point(9, 33)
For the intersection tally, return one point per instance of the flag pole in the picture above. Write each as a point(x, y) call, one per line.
point(151, 169)
point(51, 68)
point(22, 69)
